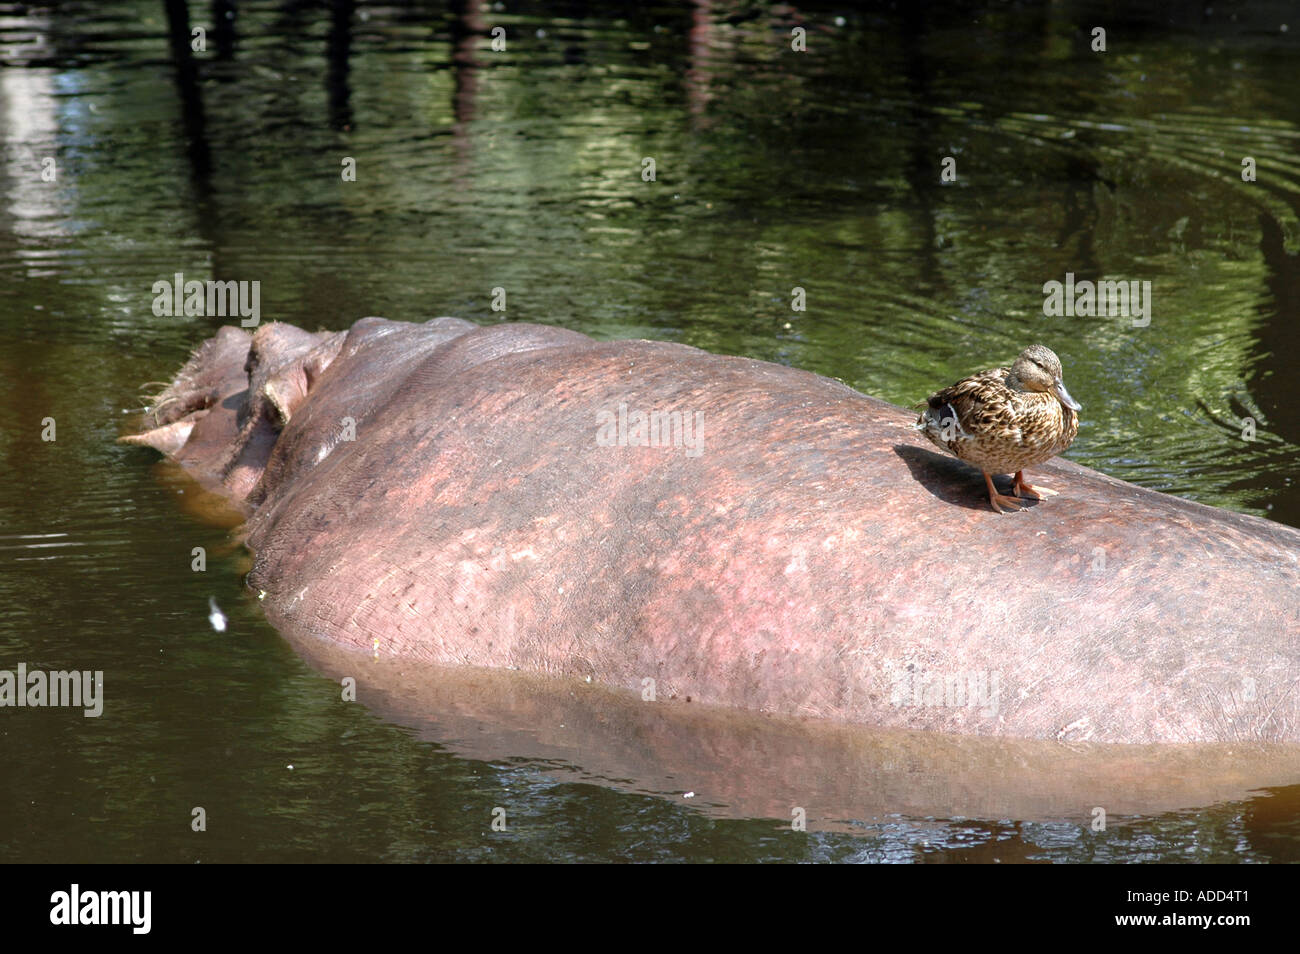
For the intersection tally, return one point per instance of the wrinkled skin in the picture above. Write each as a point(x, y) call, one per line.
point(813, 558)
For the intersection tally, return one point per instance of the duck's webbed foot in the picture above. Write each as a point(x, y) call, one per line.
point(1023, 488)
point(999, 500)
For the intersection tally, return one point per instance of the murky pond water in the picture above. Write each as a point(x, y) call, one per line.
point(523, 170)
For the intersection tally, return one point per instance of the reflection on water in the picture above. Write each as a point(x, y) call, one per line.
point(522, 170)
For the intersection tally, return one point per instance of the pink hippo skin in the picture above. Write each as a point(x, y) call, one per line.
point(459, 495)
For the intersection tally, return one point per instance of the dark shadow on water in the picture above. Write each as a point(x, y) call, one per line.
point(223, 29)
point(338, 52)
point(951, 480)
point(188, 85)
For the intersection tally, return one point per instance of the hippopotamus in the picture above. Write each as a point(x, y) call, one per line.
point(730, 532)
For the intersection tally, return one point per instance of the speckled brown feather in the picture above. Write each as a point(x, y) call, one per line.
point(1000, 428)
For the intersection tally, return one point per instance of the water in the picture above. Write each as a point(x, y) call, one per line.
point(522, 170)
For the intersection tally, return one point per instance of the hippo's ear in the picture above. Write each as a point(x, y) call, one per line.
point(289, 386)
point(286, 389)
point(168, 439)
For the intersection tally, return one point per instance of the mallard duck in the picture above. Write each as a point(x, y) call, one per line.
point(1004, 420)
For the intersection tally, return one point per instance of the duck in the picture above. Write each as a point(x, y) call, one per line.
point(1004, 420)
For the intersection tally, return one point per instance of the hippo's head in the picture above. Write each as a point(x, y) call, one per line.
point(220, 416)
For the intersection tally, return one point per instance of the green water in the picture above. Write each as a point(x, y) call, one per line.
point(522, 170)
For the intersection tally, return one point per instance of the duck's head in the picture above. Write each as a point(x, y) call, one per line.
point(1039, 369)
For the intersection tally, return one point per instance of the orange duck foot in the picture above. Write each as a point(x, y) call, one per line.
point(998, 500)
point(1022, 488)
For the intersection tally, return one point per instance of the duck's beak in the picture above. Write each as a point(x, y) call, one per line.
point(1058, 386)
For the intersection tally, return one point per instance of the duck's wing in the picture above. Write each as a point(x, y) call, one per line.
point(978, 401)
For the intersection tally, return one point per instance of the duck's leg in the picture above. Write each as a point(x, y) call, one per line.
point(1022, 488)
point(996, 498)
